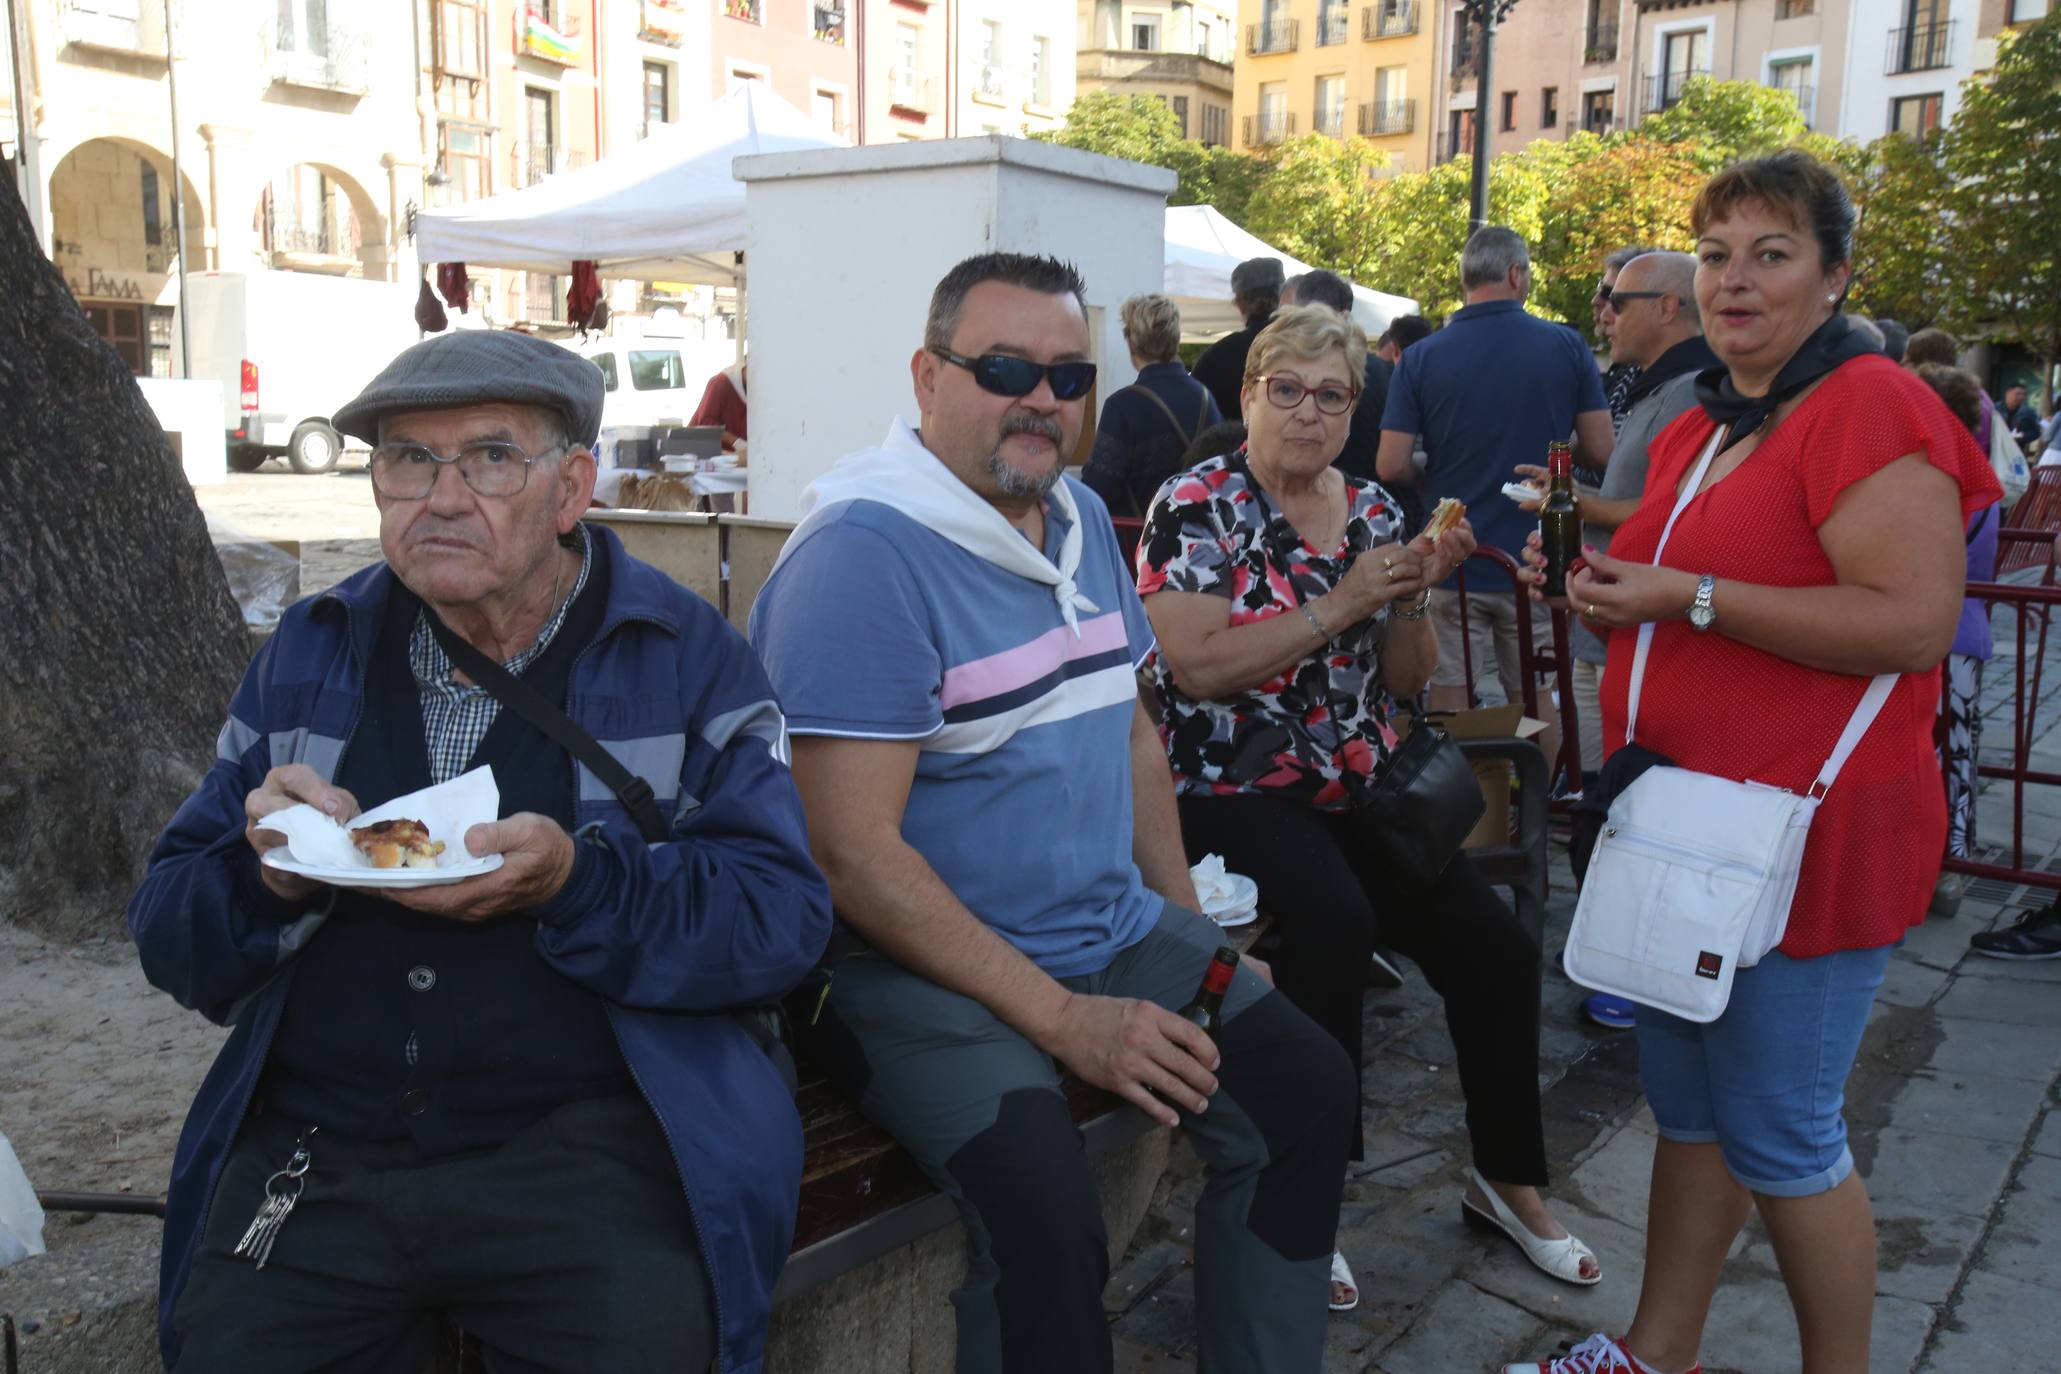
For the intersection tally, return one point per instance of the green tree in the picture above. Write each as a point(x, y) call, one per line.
point(1900, 241)
point(1723, 121)
point(1143, 129)
point(2003, 151)
point(1602, 195)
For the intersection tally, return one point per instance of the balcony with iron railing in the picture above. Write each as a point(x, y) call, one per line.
point(1379, 118)
point(1277, 35)
point(747, 10)
point(130, 29)
point(1173, 68)
point(830, 22)
point(331, 246)
point(1390, 19)
point(1806, 100)
point(1921, 47)
point(991, 83)
point(1329, 120)
point(1334, 24)
point(1664, 89)
point(540, 160)
point(1269, 127)
point(1795, 9)
point(1600, 45)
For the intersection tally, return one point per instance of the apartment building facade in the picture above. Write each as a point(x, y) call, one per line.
point(298, 145)
point(1558, 66)
point(1340, 68)
point(1175, 51)
point(805, 51)
point(1804, 47)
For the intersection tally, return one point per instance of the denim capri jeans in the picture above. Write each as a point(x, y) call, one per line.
point(1766, 1081)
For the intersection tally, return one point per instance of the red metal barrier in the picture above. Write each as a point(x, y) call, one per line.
point(2032, 609)
point(1555, 660)
point(1129, 529)
point(2038, 513)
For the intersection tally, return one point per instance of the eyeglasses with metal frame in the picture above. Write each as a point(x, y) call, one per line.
point(491, 467)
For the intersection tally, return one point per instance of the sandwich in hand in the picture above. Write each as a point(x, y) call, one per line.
point(1447, 515)
point(397, 844)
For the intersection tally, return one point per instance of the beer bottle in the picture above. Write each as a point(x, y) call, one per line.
point(1209, 998)
point(1560, 520)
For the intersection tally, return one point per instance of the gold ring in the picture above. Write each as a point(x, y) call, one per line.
point(1391, 574)
point(1388, 562)
point(1592, 610)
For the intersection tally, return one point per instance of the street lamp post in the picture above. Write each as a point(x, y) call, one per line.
point(1485, 15)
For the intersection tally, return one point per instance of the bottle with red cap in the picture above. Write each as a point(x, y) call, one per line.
point(1209, 998)
point(1560, 520)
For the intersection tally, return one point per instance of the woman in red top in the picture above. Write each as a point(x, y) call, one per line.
point(1823, 547)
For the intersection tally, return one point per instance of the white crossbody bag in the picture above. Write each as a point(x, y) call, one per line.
point(1693, 874)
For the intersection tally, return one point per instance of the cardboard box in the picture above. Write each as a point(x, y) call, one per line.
point(1490, 722)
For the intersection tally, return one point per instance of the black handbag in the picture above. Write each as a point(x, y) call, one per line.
point(1424, 804)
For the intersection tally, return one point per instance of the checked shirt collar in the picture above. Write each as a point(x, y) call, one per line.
point(456, 715)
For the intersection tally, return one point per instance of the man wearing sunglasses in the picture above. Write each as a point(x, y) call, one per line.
point(1618, 376)
point(954, 635)
point(491, 1099)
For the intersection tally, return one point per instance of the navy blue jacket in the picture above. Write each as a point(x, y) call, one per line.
point(731, 912)
point(1136, 446)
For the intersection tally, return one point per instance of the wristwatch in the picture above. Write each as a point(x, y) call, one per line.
point(1703, 615)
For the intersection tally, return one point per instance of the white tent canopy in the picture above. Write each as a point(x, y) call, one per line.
point(663, 209)
point(1201, 249)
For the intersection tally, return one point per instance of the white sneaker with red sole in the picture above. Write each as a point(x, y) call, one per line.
point(1599, 1354)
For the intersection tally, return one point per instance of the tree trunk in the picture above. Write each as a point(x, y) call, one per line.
point(119, 641)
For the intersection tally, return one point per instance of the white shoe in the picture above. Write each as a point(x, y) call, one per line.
point(1562, 1259)
point(1341, 1272)
point(1597, 1355)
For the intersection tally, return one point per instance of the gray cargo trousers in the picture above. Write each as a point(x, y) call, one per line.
point(980, 1108)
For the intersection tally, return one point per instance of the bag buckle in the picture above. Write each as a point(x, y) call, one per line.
point(1818, 790)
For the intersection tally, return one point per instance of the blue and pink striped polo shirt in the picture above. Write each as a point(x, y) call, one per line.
point(877, 628)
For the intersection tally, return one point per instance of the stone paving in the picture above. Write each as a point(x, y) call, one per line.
point(1955, 1123)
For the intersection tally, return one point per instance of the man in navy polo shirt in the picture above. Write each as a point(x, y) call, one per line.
point(954, 635)
point(1487, 393)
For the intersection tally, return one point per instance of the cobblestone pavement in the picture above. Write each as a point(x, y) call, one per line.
point(1955, 1124)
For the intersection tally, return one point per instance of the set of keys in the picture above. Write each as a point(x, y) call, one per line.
point(282, 1191)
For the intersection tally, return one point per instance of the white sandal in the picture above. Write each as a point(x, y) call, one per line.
point(1341, 1272)
point(1562, 1259)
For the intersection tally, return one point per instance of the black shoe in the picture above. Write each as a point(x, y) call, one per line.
point(2037, 935)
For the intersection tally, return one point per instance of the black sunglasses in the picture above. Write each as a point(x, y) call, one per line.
point(1007, 376)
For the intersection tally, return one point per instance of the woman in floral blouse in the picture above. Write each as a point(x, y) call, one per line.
point(1290, 617)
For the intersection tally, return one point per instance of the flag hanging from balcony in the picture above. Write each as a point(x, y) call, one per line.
point(540, 39)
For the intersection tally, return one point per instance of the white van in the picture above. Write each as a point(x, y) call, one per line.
point(648, 381)
point(290, 348)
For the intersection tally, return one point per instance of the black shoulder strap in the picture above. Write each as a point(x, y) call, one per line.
point(518, 696)
point(1149, 394)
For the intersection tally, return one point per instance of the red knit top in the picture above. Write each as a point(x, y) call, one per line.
point(1719, 706)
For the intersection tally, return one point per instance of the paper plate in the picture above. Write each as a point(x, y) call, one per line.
point(383, 877)
point(1243, 897)
point(1236, 918)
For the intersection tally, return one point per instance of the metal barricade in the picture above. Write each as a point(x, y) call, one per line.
point(2032, 611)
point(2038, 513)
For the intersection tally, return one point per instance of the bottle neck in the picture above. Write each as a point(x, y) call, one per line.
point(1560, 465)
point(1216, 981)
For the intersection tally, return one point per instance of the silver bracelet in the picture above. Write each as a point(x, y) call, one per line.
point(1316, 624)
point(1417, 610)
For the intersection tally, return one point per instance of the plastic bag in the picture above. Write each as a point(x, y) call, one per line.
point(21, 1216)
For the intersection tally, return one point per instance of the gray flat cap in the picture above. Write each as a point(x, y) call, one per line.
point(1257, 275)
point(476, 367)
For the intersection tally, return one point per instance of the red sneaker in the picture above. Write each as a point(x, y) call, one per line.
point(1599, 1354)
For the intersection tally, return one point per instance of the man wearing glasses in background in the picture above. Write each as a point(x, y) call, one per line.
point(954, 635)
point(492, 1099)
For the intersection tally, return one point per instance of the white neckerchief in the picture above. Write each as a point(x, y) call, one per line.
point(904, 475)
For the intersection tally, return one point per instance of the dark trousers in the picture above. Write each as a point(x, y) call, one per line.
point(569, 1248)
point(1332, 906)
point(980, 1108)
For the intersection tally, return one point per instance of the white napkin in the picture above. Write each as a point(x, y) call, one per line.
point(448, 809)
point(1212, 884)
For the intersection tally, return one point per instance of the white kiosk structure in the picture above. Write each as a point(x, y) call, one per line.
point(846, 245)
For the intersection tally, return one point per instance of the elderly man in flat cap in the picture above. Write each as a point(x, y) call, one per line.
point(523, 1103)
